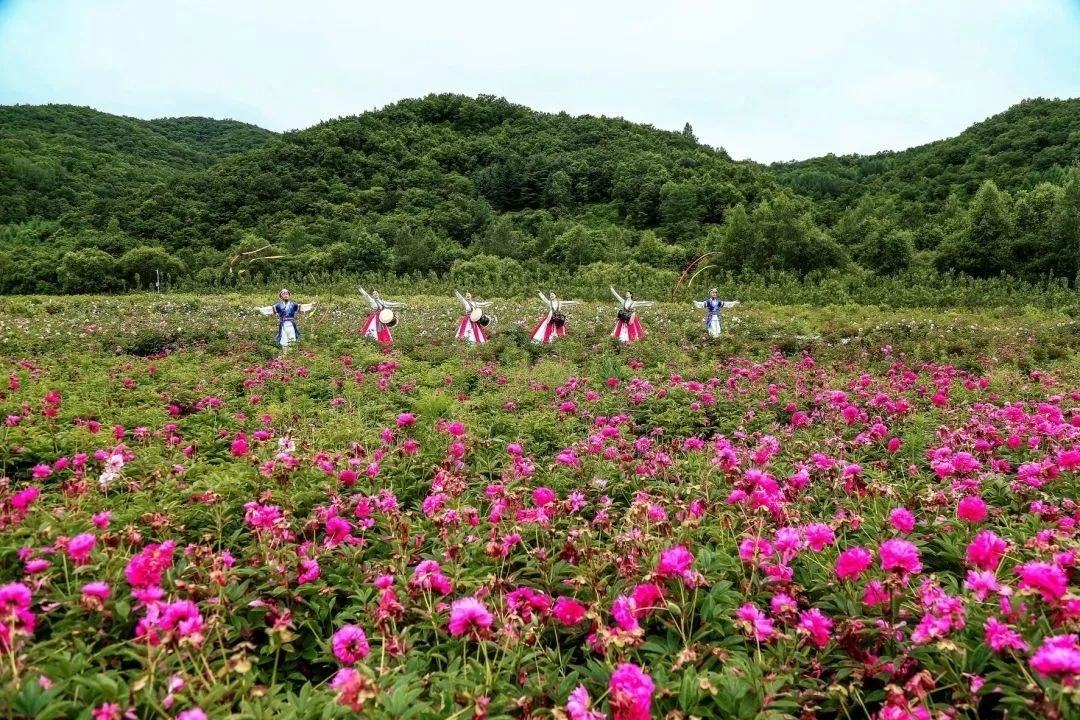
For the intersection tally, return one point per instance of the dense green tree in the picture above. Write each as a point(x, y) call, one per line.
point(983, 245)
point(88, 271)
point(142, 267)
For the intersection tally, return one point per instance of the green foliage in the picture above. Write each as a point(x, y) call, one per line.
point(423, 184)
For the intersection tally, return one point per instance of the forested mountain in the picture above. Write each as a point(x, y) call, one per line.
point(94, 201)
point(1034, 141)
point(59, 158)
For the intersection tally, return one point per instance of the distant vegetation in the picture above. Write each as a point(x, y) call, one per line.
point(453, 187)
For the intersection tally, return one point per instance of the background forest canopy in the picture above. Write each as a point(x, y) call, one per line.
point(499, 198)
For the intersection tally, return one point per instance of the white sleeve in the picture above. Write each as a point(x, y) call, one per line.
point(730, 303)
point(390, 303)
point(618, 296)
point(307, 307)
point(481, 304)
point(699, 304)
point(371, 301)
point(266, 309)
point(643, 303)
point(463, 301)
point(570, 302)
point(543, 299)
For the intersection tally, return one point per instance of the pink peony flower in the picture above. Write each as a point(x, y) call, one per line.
point(577, 705)
point(853, 562)
point(1058, 655)
point(985, 550)
point(902, 519)
point(972, 509)
point(1049, 579)
point(568, 611)
point(631, 693)
point(900, 555)
point(469, 616)
point(79, 547)
point(817, 625)
point(350, 644)
point(674, 561)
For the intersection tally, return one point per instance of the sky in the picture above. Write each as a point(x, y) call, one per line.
point(771, 80)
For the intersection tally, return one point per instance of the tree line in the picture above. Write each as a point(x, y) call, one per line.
point(453, 185)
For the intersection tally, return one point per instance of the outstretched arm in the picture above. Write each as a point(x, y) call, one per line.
point(371, 301)
point(543, 298)
point(569, 302)
point(643, 303)
point(463, 302)
point(266, 309)
point(391, 303)
point(617, 295)
point(307, 307)
point(729, 303)
point(481, 304)
point(699, 304)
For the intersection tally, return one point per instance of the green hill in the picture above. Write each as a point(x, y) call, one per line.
point(60, 158)
point(1034, 141)
point(91, 200)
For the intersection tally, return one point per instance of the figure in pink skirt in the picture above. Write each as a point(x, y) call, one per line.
point(474, 321)
point(553, 324)
point(381, 319)
point(628, 324)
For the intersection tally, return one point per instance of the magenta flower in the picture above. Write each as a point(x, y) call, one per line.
point(79, 547)
point(1000, 636)
point(631, 693)
point(41, 471)
point(986, 550)
point(469, 616)
point(751, 619)
point(456, 429)
point(239, 447)
point(192, 714)
point(1058, 655)
point(623, 610)
point(1049, 579)
point(818, 536)
point(98, 589)
point(568, 611)
point(674, 561)
point(406, 420)
point(972, 509)
point(543, 496)
point(817, 625)
point(900, 555)
point(902, 519)
point(577, 705)
point(350, 644)
point(853, 562)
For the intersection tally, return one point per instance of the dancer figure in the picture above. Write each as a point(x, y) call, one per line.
point(381, 319)
point(553, 324)
point(286, 309)
point(628, 324)
point(473, 322)
point(713, 305)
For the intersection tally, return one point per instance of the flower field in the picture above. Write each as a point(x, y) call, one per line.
point(827, 513)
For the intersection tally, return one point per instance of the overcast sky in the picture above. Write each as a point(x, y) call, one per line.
point(768, 80)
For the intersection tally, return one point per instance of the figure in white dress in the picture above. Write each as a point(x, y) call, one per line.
point(627, 323)
point(381, 319)
point(713, 305)
point(553, 324)
point(286, 309)
point(474, 321)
